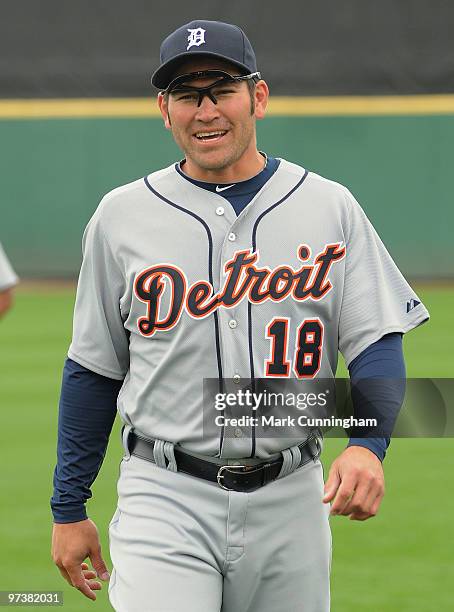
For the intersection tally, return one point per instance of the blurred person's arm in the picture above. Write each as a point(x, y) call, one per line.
point(6, 300)
point(8, 280)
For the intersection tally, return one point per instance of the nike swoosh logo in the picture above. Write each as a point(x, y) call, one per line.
point(218, 189)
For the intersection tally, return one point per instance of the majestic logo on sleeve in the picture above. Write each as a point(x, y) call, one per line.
point(412, 304)
point(244, 279)
point(196, 37)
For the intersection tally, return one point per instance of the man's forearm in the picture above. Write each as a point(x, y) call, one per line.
point(382, 360)
point(86, 414)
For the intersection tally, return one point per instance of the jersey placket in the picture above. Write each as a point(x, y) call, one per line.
point(233, 329)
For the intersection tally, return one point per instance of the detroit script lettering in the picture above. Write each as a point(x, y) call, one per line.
point(244, 279)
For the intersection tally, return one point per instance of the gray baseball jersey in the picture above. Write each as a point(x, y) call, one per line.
point(8, 277)
point(175, 288)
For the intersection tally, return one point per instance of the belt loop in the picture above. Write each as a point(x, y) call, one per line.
point(291, 460)
point(125, 431)
point(168, 451)
point(158, 453)
point(321, 439)
point(164, 456)
point(286, 462)
point(318, 436)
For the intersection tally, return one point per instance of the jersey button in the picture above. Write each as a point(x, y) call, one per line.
point(232, 237)
point(236, 378)
point(232, 324)
point(220, 210)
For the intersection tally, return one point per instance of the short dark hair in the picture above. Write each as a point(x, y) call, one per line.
point(251, 86)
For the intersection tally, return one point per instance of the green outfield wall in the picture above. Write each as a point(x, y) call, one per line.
point(55, 170)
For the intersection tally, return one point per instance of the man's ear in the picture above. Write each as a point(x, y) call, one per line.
point(261, 95)
point(163, 107)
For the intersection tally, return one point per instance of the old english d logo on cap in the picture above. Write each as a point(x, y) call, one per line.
point(216, 39)
point(196, 37)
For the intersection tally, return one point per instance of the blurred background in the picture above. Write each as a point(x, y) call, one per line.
point(362, 93)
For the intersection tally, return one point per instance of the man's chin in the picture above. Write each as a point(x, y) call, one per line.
point(212, 161)
point(211, 164)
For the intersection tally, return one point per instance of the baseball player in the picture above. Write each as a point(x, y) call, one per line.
point(8, 280)
point(230, 266)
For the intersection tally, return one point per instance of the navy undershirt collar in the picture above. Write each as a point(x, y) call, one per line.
point(241, 193)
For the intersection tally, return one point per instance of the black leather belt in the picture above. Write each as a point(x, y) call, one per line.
point(242, 478)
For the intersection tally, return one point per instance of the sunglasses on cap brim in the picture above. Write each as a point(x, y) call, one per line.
point(180, 83)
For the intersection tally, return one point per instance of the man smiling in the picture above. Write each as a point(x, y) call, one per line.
point(227, 265)
point(215, 124)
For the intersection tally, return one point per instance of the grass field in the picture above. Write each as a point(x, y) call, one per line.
point(401, 561)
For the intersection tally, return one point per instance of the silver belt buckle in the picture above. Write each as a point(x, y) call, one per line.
point(222, 469)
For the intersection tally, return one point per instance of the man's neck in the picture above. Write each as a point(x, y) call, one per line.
point(242, 170)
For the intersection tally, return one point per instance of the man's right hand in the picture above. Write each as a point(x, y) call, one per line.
point(72, 543)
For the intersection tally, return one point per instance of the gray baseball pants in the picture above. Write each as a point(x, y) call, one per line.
point(182, 544)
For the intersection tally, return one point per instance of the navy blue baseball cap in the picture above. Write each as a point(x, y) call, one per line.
point(204, 38)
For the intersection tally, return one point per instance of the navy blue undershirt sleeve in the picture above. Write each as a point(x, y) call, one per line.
point(383, 359)
point(86, 414)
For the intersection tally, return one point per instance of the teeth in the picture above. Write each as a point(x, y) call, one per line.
point(207, 134)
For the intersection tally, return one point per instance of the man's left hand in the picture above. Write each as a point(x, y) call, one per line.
point(356, 483)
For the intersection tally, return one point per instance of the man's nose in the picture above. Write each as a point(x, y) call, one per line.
point(207, 111)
